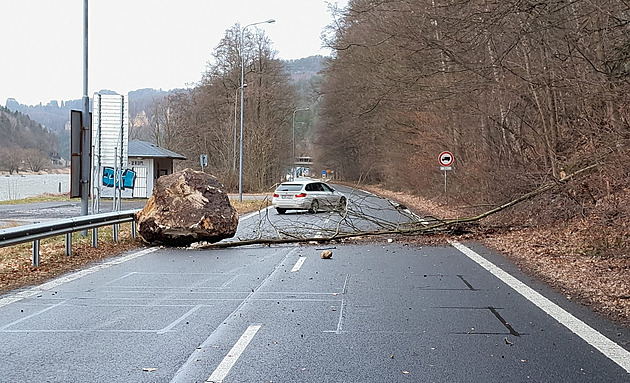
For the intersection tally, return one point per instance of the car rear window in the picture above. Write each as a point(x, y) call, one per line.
point(289, 187)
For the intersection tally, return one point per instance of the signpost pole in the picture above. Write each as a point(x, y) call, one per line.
point(445, 192)
point(446, 160)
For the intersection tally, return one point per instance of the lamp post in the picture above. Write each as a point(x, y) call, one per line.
point(293, 139)
point(240, 165)
point(86, 136)
point(235, 130)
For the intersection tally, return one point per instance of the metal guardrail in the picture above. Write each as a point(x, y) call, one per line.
point(35, 232)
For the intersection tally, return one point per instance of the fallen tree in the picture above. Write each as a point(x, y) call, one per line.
point(417, 228)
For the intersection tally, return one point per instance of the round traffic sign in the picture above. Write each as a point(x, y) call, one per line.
point(446, 158)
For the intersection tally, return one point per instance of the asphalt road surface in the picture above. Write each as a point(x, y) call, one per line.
point(380, 312)
point(365, 212)
point(36, 212)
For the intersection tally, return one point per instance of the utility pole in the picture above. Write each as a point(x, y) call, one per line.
point(86, 136)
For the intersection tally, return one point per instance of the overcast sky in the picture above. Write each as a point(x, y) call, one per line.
point(136, 44)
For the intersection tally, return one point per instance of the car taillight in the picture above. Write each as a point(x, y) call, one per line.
point(301, 195)
point(275, 195)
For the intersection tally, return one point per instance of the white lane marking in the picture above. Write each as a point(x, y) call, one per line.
point(298, 264)
point(121, 278)
point(178, 320)
point(181, 374)
point(232, 356)
point(341, 316)
point(606, 346)
point(72, 277)
point(250, 215)
point(369, 192)
point(228, 282)
point(3, 328)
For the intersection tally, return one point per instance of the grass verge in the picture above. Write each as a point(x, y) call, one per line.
point(16, 270)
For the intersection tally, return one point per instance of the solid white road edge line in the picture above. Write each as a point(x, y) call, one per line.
point(298, 264)
point(232, 356)
point(250, 215)
point(591, 336)
point(71, 277)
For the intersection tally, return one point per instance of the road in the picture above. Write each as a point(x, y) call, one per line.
point(365, 212)
point(36, 212)
point(380, 312)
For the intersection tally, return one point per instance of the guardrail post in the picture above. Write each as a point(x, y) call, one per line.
point(115, 233)
point(69, 244)
point(95, 237)
point(35, 259)
point(133, 229)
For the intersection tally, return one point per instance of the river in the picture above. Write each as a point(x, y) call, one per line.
point(29, 185)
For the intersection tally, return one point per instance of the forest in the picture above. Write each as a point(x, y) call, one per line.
point(25, 144)
point(521, 92)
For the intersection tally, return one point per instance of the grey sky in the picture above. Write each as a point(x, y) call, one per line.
point(137, 44)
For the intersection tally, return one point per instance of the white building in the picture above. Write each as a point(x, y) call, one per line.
point(148, 162)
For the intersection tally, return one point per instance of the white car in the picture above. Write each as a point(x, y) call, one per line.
point(308, 195)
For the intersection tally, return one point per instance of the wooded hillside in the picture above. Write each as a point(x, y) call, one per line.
point(522, 93)
point(24, 144)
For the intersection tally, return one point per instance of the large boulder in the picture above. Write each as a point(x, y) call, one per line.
point(187, 207)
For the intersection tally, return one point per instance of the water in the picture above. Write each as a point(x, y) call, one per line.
point(22, 186)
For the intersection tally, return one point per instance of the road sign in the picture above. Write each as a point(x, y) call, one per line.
point(323, 174)
point(203, 160)
point(446, 159)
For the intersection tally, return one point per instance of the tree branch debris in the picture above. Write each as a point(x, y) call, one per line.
point(358, 210)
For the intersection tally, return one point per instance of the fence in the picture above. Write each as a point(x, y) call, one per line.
point(35, 232)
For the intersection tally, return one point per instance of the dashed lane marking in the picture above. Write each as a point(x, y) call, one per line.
point(223, 369)
point(298, 264)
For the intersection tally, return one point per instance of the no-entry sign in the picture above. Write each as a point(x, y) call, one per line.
point(446, 159)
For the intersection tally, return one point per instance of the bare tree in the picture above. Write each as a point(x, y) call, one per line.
point(522, 92)
point(202, 119)
point(35, 160)
point(11, 158)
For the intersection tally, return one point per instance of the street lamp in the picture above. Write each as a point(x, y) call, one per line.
point(240, 165)
point(235, 130)
point(293, 139)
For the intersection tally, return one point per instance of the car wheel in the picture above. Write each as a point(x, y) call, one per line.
point(342, 204)
point(314, 207)
point(280, 210)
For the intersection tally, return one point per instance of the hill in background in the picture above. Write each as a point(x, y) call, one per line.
point(24, 142)
point(54, 116)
